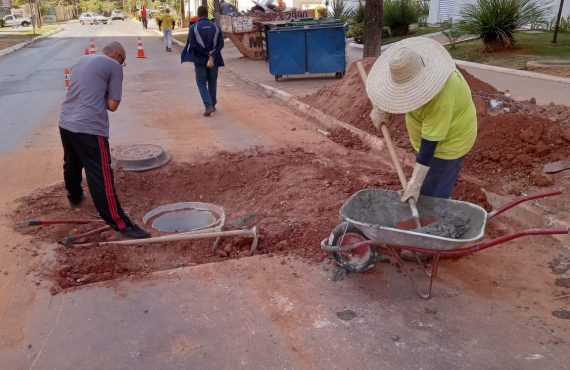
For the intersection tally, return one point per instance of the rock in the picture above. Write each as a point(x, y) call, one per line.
point(281, 245)
point(221, 253)
point(541, 148)
point(540, 180)
point(563, 282)
point(532, 134)
point(532, 101)
point(346, 315)
point(562, 314)
point(566, 134)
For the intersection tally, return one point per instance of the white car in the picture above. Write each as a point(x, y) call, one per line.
point(117, 14)
point(92, 18)
point(13, 21)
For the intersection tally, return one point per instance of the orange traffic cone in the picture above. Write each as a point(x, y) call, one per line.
point(140, 50)
point(92, 47)
point(67, 80)
point(86, 51)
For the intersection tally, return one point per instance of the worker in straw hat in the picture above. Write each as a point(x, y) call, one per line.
point(418, 77)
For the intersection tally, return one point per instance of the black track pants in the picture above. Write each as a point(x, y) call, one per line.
point(92, 153)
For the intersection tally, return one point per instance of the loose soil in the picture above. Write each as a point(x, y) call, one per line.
point(513, 144)
point(293, 196)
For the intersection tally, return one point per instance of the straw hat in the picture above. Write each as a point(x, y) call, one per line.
point(409, 74)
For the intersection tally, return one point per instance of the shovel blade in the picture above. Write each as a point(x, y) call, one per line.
point(555, 167)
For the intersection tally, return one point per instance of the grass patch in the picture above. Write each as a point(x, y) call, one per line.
point(530, 46)
point(413, 33)
point(26, 32)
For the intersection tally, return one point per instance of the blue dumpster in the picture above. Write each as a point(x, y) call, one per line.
point(319, 48)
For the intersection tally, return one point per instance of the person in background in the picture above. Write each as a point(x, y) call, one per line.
point(96, 87)
point(144, 18)
point(203, 48)
point(167, 28)
point(226, 8)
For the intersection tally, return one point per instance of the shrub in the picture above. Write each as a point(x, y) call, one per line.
point(423, 7)
point(358, 15)
point(496, 21)
point(2, 23)
point(399, 14)
point(452, 32)
point(338, 10)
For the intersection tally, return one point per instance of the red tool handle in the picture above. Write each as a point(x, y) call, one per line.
point(58, 222)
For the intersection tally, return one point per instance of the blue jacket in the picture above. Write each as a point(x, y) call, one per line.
point(204, 37)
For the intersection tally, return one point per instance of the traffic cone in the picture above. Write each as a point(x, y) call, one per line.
point(67, 80)
point(140, 50)
point(86, 51)
point(92, 47)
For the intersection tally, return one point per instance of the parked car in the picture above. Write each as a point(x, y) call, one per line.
point(92, 18)
point(117, 14)
point(13, 21)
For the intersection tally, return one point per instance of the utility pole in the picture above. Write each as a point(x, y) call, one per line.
point(557, 26)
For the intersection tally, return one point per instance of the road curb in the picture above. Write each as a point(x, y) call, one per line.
point(514, 72)
point(21, 45)
point(328, 122)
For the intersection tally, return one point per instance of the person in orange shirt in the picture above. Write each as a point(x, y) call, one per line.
point(143, 17)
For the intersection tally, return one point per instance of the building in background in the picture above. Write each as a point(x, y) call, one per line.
point(442, 10)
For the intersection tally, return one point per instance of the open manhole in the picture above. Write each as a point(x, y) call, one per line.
point(138, 157)
point(185, 217)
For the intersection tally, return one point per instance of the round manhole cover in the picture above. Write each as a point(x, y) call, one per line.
point(186, 216)
point(138, 157)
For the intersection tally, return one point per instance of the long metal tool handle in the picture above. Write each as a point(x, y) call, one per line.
point(393, 155)
point(178, 237)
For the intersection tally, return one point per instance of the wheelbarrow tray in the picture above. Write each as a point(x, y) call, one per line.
point(377, 212)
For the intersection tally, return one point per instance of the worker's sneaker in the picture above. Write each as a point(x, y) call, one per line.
point(411, 256)
point(135, 232)
point(208, 111)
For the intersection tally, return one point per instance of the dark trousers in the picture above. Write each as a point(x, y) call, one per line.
point(441, 177)
point(207, 81)
point(92, 153)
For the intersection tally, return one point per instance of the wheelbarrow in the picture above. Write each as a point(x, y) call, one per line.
point(373, 219)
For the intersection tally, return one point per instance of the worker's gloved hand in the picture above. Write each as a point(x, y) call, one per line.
point(415, 183)
point(378, 117)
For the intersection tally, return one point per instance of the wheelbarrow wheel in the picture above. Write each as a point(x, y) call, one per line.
point(357, 260)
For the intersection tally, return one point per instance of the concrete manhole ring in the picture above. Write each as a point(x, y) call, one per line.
point(138, 157)
point(185, 217)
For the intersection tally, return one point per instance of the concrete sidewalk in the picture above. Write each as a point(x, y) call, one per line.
point(521, 87)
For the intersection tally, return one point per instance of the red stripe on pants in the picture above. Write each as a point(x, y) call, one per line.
point(109, 193)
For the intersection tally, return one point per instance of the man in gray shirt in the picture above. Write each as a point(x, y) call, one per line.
point(96, 87)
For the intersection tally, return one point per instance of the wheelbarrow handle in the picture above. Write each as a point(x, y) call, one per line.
point(520, 200)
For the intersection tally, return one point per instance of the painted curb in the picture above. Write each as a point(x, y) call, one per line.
point(514, 72)
point(429, 35)
point(21, 45)
point(327, 122)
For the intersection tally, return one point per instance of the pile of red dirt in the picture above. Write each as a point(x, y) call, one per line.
point(292, 196)
point(513, 142)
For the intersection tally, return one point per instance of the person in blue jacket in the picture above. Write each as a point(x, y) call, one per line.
point(204, 46)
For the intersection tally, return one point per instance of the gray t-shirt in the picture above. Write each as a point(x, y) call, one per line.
point(94, 79)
